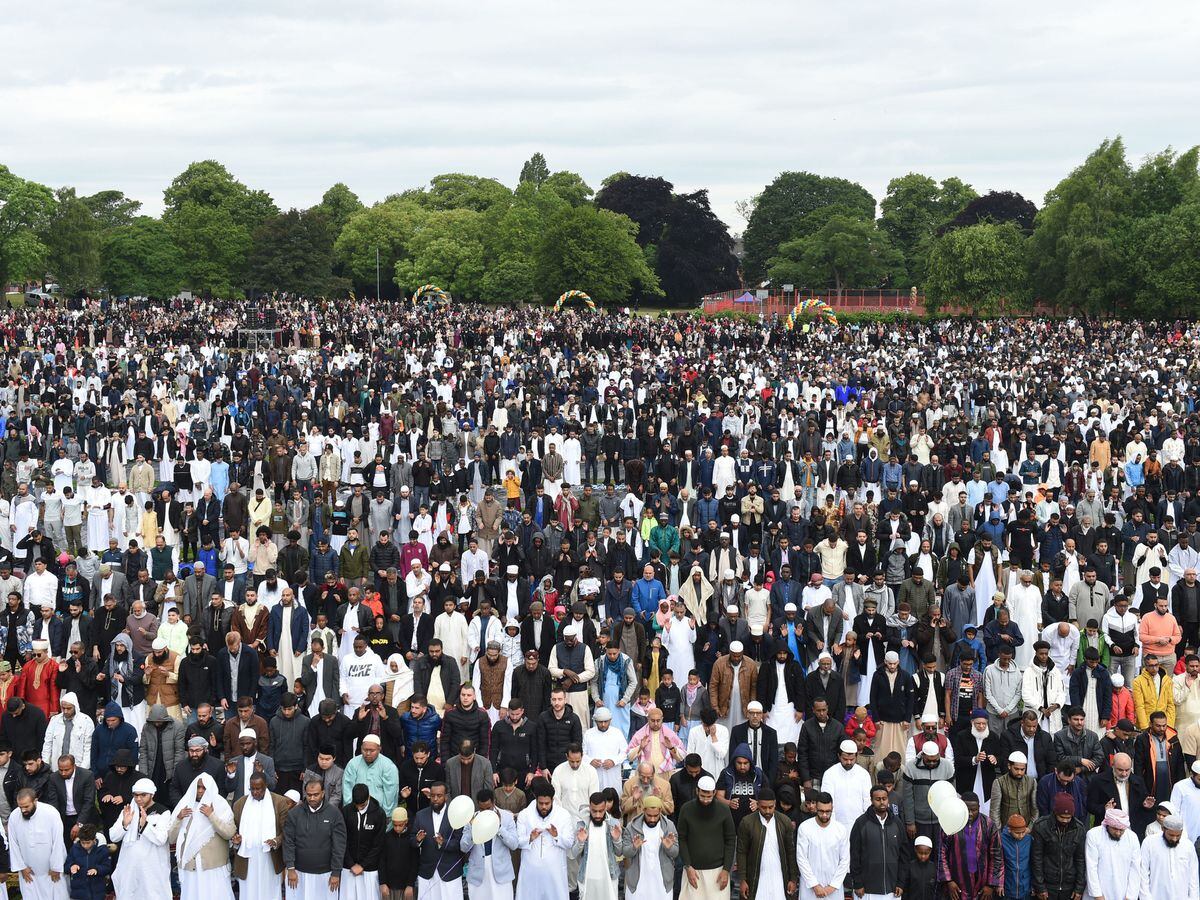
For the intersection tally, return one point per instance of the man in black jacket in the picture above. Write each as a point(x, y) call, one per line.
point(466, 721)
point(558, 728)
point(366, 827)
point(199, 762)
point(197, 678)
point(80, 785)
point(879, 848)
point(330, 728)
point(1025, 735)
point(514, 742)
point(1103, 793)
point(1057, 857)
point(434, 663)
point(818, 744)
point(532, 682)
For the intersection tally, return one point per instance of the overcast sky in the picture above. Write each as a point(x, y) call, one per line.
point(294, 96)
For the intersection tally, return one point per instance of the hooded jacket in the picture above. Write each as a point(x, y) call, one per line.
point(741, 787)
point(107, 741)
point(170, 736)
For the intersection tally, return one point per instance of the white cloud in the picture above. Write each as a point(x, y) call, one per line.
point(295, 96)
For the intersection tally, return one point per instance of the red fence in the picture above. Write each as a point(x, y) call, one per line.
point(779, 303)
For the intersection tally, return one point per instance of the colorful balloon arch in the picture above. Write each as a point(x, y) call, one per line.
point(820, 307)
point(433, 292)
point(573, 295)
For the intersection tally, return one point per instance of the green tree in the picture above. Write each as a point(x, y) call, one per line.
point(293, 252)
point(73, 244)
point(339, 203)
point(592, 250)
point(142, 259)
point(570, 186)
point(847, 251)
point(913, 209)
point(385, 227)
point(979, 269)
point(214, 248)
point(1164, 181)
point(111, 209)
point(779, 210)
point(1076, 254)
point(25, 211)
point(446, 249)
point(458, 191)
point(535, 170)
point(1165, 249)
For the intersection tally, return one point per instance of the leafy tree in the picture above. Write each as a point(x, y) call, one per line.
point(142, 259)
point(213, 245)
point(73, 243)
point(535, 170)
point(570, 186)
point(206, 183)
point(25, 210)
point(111, 209)
point(914, 208)
point(997, 207)
point(293, 252)
point(593, 250)
point(339, 203)
point(445, 249)
point(847, 251)
point(688, 247)
point(1076, 257)
point(458, 191)
point(980, 269)
point(387, 227)
point(1164, 181)
point(1165, 249)
point(784, 203)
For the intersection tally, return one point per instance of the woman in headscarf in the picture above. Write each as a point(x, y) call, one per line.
point(201, 826)
point(400, 688)
point(125, 685)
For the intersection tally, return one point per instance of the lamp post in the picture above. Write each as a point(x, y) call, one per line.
point(377, 275)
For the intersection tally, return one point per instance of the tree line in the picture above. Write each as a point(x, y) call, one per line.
point(1111, 238)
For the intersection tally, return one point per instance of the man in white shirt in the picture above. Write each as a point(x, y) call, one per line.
point(473, 560)
point(41, 586)
point(848, 784)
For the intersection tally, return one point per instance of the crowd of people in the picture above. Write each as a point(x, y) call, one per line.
point(697, 607)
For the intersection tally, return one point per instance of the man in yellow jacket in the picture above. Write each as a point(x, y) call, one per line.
point(1153, 691)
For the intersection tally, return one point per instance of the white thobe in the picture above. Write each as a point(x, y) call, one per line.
point(650, 884)
point(312, 886)
point(783, 712)
point(144, 867)
point(261, 881)
point(1169, 873)
point(574, 787)
point(1025, 604)
point(713, 752)
point(770, 868)
point(544, 858)
point(735, 717)
point(1185, 797)
point(1114, 868)
point(594, 881)
point(451, 630)
point(823, 856)
point(37, 844)
point(606, 746)
point(850, 790)
point(679, 641)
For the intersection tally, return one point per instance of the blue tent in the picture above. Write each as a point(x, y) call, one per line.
point(746, 298)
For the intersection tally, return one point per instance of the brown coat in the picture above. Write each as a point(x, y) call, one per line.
point(281, 813)
point(162, 687)
point(720, 685)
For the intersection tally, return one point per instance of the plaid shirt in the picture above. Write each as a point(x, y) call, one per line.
point(953, 680)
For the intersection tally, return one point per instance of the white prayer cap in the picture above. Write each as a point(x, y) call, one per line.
point(824, 655)
point(736, 647)
point(1117, 679)
point(891, 657)
point(1175, 823)
point(513, 570)
point(754, 706)
point(735, 518)
point(444, 567)
point(293, 795)
point(144, 786)
point(571, 631)
point(930, 748)
point(848, 747)
point(1019, 758)
point(1195, 766)
point(755, 630)
point(929, 719)
point(372, 739)
point(789, 607)
point(731, 608)
point(41, 645)
point(602, 715)
point(706, 784)
point(727, 574)
point(159, 645)
point(248, 733)
point(923, 841)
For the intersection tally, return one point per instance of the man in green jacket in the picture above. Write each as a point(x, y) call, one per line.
point(355, 560)
point(766, 851)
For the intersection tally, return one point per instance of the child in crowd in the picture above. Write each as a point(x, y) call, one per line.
point(88, 865)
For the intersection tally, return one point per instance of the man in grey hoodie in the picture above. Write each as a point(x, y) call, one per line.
point(161, 748)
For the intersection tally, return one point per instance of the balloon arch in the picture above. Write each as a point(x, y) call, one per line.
point(433, 293)
point(820, 307)
point(573, 295)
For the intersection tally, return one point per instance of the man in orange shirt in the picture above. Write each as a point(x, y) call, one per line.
point(1160, 633)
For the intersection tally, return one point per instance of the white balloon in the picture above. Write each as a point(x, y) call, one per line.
point(940, 793)
point(460, 811)
point(953, 817)
point(485, 826)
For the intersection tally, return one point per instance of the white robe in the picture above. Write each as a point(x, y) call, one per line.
point(1169, 873)
point(452, 632)
point(257, 827)
point(850, 790)
point(594, 880)
point(770, 867)
point(605, 746)
point(650, 884)
point(823, 856)
point(1114, 868)
point(36, 843)
point(713, 752)
point(679, 641)
point(544, 859)
point(782, 716)
point(144, 868)
point(1185, 797)
point(985, 585)
point(312, 886)
point(1025, 605)
point(572, 454)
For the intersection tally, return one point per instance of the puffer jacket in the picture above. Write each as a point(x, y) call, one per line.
point(422, 729)
point(170, 736)
point(1059, 865)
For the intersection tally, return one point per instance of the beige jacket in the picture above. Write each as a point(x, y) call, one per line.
point(215, 853)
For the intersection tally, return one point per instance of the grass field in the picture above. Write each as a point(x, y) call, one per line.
point(15, 299)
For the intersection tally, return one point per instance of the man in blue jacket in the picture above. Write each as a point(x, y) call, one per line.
point(648, 592)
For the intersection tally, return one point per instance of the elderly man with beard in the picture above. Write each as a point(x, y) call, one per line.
point(1114, 859)
point(201, 827)
point(1117, 787)
point(258, 841)
point(572, 664)
point(1169, 864)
